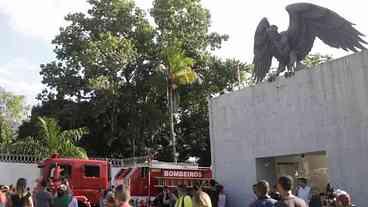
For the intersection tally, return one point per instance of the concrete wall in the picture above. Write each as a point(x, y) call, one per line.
point(323, 109)
point(10, 172)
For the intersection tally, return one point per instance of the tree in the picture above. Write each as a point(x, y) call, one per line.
point(61, 142)
point(184, 38)
point(13, 111)
point(50, 140)
point(178, 72)
point(107, 77)
point(6, 131)
point(108, 68)
point(12, 106)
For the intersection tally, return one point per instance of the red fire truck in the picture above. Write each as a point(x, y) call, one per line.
point(146, 180)
point(89, 178)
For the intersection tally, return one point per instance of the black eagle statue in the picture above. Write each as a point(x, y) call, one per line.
point(306, 22)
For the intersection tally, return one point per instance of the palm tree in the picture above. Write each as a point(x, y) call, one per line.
point(178, 72)
point(61, 142)
point(51, 140)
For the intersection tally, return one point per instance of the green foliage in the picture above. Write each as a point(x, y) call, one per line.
point(26, 146)
point(61, 142)
point(315, 59)
point(179, 66)
point(51, 139)
point(6, 131)
point(14, 107)
point(187, 21)
point(12, 111)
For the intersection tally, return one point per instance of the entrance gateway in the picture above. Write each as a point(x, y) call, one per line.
point(312, 166)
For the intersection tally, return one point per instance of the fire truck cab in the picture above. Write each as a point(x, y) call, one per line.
point(87, 178)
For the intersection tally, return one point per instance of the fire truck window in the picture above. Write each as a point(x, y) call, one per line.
point(92, 171)
point(189, 183)
point(109, 171)
point(66, 171)
point(144, 172)
point(160, 182)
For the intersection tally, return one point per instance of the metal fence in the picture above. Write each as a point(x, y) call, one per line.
point(4, 157)
point(31, 159)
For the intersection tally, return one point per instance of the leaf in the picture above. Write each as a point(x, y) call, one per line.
point(179, 65)
point(73, 135)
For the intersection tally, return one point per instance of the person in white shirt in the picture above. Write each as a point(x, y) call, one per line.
point(303, 190)
point(222, 197)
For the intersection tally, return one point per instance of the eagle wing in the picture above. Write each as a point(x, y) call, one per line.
point(262, 51)
point(308, 21)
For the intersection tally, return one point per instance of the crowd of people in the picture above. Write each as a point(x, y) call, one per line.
point(43, 196)
point(17, 196)
point(21, 196)
point(282, 195)
point(195, 196)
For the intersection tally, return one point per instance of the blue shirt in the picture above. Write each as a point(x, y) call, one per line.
point(264, 202)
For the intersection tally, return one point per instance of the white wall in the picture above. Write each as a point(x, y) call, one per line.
point(10, 172)
point(322, 109)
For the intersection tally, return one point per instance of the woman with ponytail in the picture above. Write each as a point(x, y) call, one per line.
point(21, 198)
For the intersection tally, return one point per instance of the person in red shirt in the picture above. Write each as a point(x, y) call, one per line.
point(122, 196)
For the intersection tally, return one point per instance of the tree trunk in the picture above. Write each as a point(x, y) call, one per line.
point(172, 130)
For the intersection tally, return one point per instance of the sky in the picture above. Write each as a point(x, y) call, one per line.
point(28, 26)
